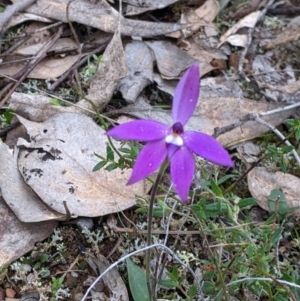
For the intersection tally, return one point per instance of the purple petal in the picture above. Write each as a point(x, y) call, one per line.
point(182, 171)
point(207, 147)
point(186, 95)
point(149, 159)
point(139, 130)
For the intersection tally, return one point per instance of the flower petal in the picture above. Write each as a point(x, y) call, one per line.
point(139, 130)
point(149, 159)
point(207, 147)
point(186, 95)
point(182, 171)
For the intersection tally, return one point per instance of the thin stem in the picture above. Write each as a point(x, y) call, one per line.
point(149, 229)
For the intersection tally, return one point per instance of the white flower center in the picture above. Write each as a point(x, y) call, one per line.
point(174, 139)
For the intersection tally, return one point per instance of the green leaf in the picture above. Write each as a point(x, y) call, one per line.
point(99, 165)
point(224, 179)
point(56, 284)
point(287, 148)
point(297, 135)
point(215, 188)
point(2, 9)
point(137, 282)
point(55, 102)
point(168, 283)
point(208, 287)
point(125, 150)
point(9, 114)
point(110, 156)
point(192, 291)
point(276, 235)
point(247, 202)
point(44, 258)
point(45, 273)
point(111, 166)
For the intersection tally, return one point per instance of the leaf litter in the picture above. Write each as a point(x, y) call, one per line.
point(51, 172)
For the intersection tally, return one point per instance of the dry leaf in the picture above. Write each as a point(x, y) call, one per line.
point(18, 238)
point(24, 17)
point(22, 200)
point(166, 54)
point(34, 107)
point(248, 21)
point(270, 80)
point(115, 287)
point(261, 182)
point(291, 33)
point(109, 73)
point(201, 17)
point(47, 68)
point(101, 16)
point(136, 7)
point(58, 166)
point(140, 70)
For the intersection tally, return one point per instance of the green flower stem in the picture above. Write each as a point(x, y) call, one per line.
point(149, 229)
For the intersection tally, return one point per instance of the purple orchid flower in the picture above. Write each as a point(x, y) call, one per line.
point(173, 142)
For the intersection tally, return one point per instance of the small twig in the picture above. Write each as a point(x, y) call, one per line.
point(120, 240)
point(73, 30)
point(250, 117)
point(11, 10)
point(249, 41)
point(69, 270)
point(31, 65)
point(77, 65)
point(12, 126)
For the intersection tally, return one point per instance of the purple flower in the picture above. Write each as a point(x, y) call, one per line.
point(173, 142)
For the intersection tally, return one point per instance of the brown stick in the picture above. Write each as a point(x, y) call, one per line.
point(77, 65)
point(11, 10)
point(31, 65)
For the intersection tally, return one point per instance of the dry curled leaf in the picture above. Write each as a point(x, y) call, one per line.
point(248, 21)
point(166, 54)
point(110, 71)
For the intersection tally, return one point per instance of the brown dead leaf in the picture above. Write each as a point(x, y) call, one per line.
point(116, 289)
point(18, 238)
point(109, 73)
point(274, 83)
point(291, 33)
point(248, 21)
point(24, 17)
point(139, 62)
point(261, 182)
point(34, 107)
point(101, 16)
point(58, 166)
point(166, 54)
point(22, 200)
point(136, 7)
point(47, 68)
